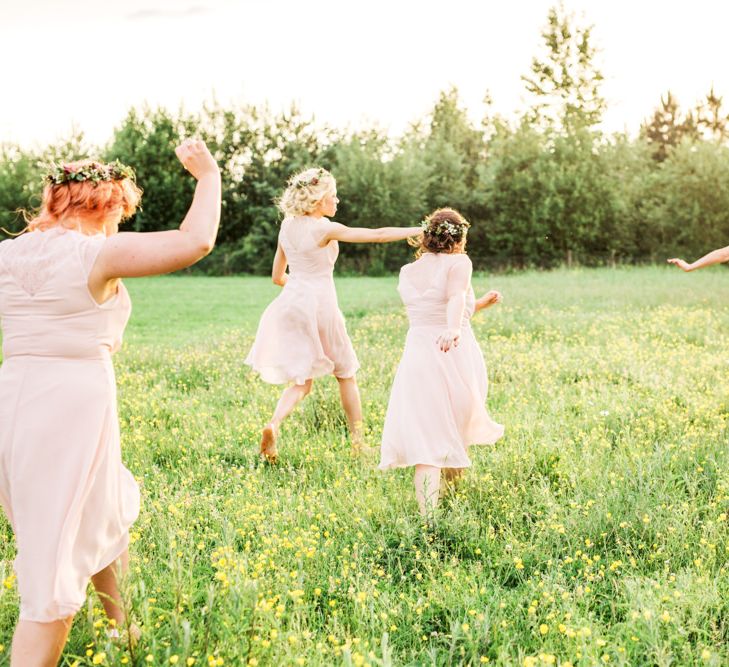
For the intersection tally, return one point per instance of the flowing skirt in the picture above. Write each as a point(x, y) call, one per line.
point(437, 404)
point(63, 486)
point(302, 335)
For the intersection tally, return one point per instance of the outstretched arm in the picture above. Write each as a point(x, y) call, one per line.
point(339, 232)
point(459, 278)
point(278, 272)
point(714, 257)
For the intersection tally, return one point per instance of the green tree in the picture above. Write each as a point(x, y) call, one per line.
point(565, 81)
point(667, 127)
point(712, 118)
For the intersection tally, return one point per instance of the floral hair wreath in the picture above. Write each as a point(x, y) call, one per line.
point(59, 173)
point(313, 180)
point(456, 230)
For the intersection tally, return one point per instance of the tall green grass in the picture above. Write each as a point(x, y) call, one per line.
point(594, 532)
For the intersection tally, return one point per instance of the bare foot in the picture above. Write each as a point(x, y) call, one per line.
point(269, 451)
point(130, 635)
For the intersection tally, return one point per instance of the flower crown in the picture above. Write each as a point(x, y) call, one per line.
point(455, 229)
point(59, 173)
point(312, 180)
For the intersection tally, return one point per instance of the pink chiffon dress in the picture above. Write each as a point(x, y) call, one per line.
point(302, 334)
point(437, 402)
point(64, 489)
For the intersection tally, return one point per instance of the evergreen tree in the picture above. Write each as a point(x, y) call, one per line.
point(711, 117)
point(565, 82)
point(667, 127)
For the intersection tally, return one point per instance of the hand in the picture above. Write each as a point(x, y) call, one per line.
point(448, 339)
point(680, 263)
point(490, 298)
point(196, 158)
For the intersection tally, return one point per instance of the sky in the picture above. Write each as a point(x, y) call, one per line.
point(83, 63)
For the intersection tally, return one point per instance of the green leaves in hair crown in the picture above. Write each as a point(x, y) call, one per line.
point(443, 227)
point(59, 173)
point(311, 180)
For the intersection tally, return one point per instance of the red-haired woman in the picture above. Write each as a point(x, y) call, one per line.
point(63, 486)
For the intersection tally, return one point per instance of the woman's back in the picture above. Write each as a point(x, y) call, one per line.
point(45, 304)
point(423, 288)
point(300, 237)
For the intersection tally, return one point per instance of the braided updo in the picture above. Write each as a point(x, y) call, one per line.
point(443, 232)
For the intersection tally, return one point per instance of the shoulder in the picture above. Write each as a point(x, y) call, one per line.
point(16, 242)
point(5, 246)
point(460, 262)
point(324, 226)
point(326, 223)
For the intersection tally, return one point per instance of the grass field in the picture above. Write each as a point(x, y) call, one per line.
point(595, 532)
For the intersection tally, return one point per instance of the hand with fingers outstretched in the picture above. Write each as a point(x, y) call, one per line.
point(714, 257)
point(680, 263)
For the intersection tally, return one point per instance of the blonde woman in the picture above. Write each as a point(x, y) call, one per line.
point(302, 334)
point(714, 257)
point(63, 309)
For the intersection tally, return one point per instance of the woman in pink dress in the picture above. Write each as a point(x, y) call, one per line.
point(302, 335)
point(437, 403)
point(64, 489)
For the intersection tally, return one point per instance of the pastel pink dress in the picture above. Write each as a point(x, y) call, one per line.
point(63, 486)
point(302, 334)
point(437, 406)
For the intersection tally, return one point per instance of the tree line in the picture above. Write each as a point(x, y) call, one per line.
point(544, 189)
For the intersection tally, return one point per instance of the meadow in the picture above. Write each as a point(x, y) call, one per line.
point(595, 532)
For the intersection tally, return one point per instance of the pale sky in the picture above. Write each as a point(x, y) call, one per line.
point(84, 63)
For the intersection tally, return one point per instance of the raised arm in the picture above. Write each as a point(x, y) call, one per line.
point(338, 232)
point(132, 254)
point(278, 271)
point(459, 278)
point(715, 257)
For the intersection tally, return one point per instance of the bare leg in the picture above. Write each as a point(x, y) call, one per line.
point(427, 487)
point(452, 476)
point(352, 405)
point(286, 404)
point(39, 644)
point(106, 584)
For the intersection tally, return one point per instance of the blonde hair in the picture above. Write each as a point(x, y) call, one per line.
point(305, 190)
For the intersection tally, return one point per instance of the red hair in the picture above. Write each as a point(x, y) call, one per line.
point(90, 201)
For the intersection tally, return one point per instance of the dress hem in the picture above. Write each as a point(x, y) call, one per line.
point(272, 377)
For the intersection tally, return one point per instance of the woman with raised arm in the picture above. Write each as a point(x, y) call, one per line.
point(63, 307)
point(714, 257)
point(302, 334)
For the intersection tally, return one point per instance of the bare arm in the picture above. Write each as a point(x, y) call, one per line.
point(715, 257)
point(278, 271)
point(132, 254)
point(339, 232)
point(459, 278)
point(488, 300)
